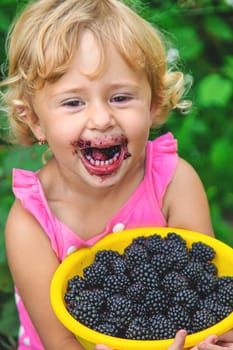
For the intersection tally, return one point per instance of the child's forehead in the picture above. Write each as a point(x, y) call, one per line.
point(92, 54)
point(88, 53)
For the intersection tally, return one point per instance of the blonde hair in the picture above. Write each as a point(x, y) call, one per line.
point(44, 38)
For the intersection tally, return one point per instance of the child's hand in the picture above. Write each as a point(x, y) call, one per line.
point(213, 342)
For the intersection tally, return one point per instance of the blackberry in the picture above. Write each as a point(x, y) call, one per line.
point(107, 328)
point(210, 268)
point(75, 285)
point(154, 244)
point(76, 282)
point(225, 294)
point(203, 319)
point(220, 311)
point(178, 259)
point(224, 281)
point(94, 274)
point(94, 297)
point(173, 282)
point(206, 284)
point(160, 263)
point(138, 329)
point(156, 302)
point(179, 316)
point(116, 283)
point(177, 239)
point(147, 275)
point(173, 242)
point(193, 270)
point(141, 240)
point(135, 255)
point(206, 299)
point(201, 252)
point(155, 319)
point(120, 306)
point(106, 256)
point(86, 313)
point(109, 318)
point(186, 298)
point(139, 309)
point(136, 291)
point(118, 266)
point(162, 328)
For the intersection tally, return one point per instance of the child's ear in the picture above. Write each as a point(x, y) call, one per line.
point(29, 117)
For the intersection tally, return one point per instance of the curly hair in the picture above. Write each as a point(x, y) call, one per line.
point(44, 38)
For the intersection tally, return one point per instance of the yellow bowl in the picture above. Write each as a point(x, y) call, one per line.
point(77, 261)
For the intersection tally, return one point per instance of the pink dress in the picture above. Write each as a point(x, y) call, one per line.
point(143, 208)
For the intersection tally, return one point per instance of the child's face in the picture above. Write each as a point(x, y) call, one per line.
point(96, 126)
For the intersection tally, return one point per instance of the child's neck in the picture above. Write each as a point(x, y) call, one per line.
point(86, 210)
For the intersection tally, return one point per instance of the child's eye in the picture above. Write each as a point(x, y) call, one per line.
point(73, 103)
point(120, 98)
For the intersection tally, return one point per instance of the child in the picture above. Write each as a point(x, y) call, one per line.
point(89, 78)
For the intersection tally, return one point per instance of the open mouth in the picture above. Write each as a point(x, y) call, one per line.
point(102, 156)
point(102, 159)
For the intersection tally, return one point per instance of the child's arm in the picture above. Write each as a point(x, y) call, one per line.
point(185, 203)
point(32, 263)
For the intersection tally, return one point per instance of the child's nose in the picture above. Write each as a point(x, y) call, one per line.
point(101, 117)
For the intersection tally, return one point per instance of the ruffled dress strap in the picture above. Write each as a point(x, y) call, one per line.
point(161, 163)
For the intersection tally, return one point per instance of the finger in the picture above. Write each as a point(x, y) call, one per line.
point(211, 339)
point(102, 347)
point(179, 341)
point(208, 346)
point(226, 337)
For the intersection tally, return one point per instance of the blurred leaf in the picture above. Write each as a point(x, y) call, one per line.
point(188, 42)
point(30, 157)
point(213, 90)
point(4, 21)
point(9, 323)
point(10, 2)
point(222, 155)
point(219, 28)
point(6, 284)
point(228, 66)
point(223, 231)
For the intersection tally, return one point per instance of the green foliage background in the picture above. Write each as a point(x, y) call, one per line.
point(200, 34)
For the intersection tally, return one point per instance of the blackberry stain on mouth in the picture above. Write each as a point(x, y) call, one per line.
point(102, 157)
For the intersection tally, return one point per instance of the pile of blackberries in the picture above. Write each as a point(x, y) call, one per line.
point(155, 287)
